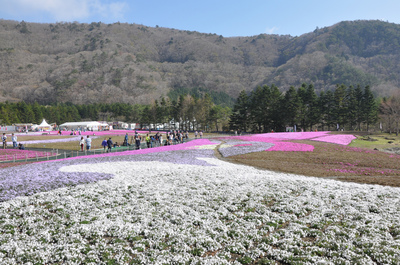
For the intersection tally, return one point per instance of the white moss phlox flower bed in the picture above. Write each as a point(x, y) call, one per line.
point(182, 208)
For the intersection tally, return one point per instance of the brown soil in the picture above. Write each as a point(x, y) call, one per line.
point(329, 161)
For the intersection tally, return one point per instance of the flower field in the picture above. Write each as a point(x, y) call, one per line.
point(16, 154)
point(181, 205)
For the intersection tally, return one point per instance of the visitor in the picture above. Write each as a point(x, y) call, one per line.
point(88, 143)
point(125, 140)
point(195, 134)
point(138, 139)
point(21, 147)
point(14, 140)
point(201, 134)
point(4, 140)
point(104, 144)
point(109, 144)
point(82, 143)
point(148, 140)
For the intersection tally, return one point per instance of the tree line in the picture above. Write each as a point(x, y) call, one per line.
point(268, 109)
point(265, 109)
point(187, 112)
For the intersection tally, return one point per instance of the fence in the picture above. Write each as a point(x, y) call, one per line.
point(16, 155)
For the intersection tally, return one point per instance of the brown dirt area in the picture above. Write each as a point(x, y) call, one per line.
point(329, 161)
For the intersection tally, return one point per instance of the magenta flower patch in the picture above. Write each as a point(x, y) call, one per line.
point(342, 139)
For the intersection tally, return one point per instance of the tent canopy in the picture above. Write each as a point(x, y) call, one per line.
point(44, 124)
point(94, 125)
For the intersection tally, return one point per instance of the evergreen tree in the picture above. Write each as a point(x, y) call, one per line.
point(274, 114)
point(340, 105)
point(240, 114)
point(370, 108)
point(291, 104)
point(326, 106)
point(351, 107)
point(258, 105)
point(359, 106)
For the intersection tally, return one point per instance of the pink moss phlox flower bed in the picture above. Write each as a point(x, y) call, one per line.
point(195, 144)
point(342, 139)
point(281, 141)
point(293, 135)
point(280, 144)
point(11, 154)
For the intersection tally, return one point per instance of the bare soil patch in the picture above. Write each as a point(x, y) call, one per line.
point(333, 161)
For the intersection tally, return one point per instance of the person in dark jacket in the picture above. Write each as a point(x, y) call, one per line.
point(109, 144)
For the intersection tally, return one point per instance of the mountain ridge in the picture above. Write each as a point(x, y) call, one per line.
point(92, 63)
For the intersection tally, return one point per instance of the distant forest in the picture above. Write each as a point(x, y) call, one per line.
point(265, 109)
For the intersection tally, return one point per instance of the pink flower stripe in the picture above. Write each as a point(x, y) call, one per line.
point(189, 145)
point(279, 143)
point(292, 135)
point(120, 132)
point(343, 139)
point(11, 154)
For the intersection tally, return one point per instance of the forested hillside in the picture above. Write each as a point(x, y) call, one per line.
point(129, 63)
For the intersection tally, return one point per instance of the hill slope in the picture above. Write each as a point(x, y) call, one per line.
point(88, 63)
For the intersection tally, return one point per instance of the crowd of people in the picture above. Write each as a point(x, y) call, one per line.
point(155, 140)
point(151, 140)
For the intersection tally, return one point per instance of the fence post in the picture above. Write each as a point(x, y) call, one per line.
point(14, 158)
point(47, 154)
point(26, 157)
point(65, 154)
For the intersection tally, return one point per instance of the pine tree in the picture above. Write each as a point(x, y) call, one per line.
point(240, 114)
point(290, 107)
point(370, 108)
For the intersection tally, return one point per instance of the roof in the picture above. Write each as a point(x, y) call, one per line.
point(44, 124)
point(83, 123)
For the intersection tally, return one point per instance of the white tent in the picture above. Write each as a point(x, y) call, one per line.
point(84, 125)
point(44, 126)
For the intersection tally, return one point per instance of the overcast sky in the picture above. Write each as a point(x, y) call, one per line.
point(226, 18)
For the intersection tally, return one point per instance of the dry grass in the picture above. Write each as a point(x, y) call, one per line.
point(345, 163)
point(73, 145)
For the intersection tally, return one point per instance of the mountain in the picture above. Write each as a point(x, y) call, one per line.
point(130, 63)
